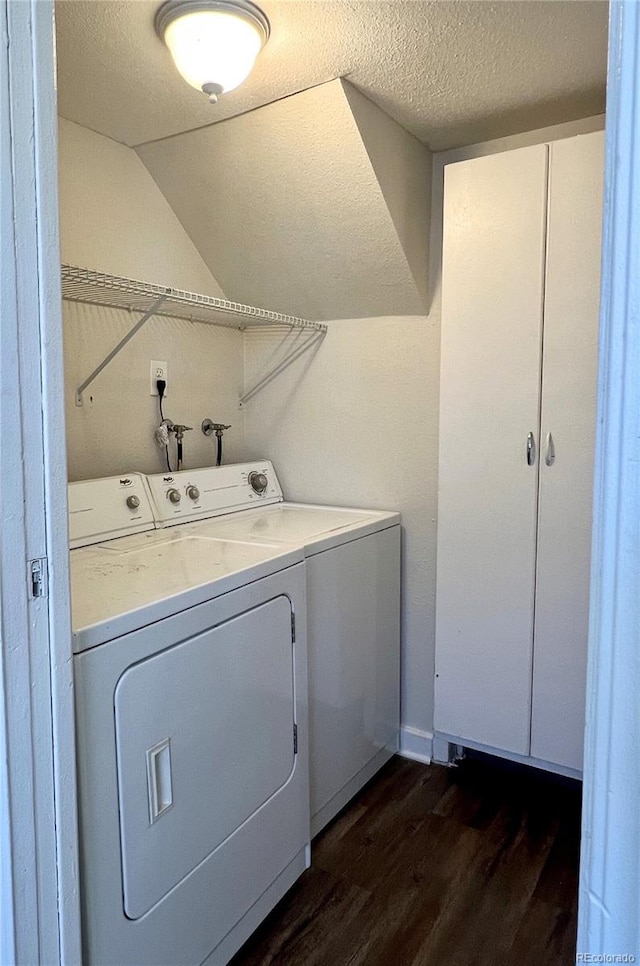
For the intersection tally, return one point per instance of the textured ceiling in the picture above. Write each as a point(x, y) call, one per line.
point(301, 207)
point(450, 72)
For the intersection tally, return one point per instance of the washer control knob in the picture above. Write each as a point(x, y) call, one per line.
point(193, 493)
point(258, 481)
point(174, 495)
point(133, 502)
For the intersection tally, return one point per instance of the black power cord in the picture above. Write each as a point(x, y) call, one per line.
point(161, 385)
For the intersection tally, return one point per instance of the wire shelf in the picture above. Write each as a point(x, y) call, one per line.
point(147, 300)
point(113, 291)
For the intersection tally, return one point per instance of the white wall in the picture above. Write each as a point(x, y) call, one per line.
point(115, 219)
point(358, 425)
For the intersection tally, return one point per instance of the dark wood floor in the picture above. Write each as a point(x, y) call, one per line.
point(428, 866)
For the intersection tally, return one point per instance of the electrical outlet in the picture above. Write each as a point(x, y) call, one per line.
point(158, 370)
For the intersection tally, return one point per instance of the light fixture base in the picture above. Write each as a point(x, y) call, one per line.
point(241, 8)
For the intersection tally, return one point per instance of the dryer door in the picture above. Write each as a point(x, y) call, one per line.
point(204, 736)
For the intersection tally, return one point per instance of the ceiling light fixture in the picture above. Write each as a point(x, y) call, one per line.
point(214, 43)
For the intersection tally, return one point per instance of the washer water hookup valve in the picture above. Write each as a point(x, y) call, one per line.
point(208, 427)
point(179, 429)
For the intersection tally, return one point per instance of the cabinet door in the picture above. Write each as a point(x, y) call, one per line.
point(568, 413)
point(493, 273)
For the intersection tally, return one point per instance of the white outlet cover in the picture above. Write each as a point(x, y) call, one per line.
point(158, 370)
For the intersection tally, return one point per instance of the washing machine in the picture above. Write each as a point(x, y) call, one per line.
point(191, 697)
point(353, 614)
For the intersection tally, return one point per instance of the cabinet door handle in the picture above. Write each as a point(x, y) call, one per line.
point(550, 454)
point(531, 449)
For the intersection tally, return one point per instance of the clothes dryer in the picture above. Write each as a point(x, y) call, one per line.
point(191, 695)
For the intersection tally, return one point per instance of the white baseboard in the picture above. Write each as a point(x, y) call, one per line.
point(415, 744)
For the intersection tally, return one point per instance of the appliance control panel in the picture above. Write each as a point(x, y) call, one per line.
point(115, 506)
point(211, 491)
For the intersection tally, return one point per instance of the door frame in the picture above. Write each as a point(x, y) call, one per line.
point(39, 894)
point(610, 870)
point(38, 820)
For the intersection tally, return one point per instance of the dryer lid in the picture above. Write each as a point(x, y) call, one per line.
point(122, 585)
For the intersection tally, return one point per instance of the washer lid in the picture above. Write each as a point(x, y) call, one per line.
point(124, 584)
point(314, 527)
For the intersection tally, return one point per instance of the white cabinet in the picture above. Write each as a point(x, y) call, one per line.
point(520, 287)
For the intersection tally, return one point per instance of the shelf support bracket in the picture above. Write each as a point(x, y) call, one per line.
point(313, 340)
point(121, 344)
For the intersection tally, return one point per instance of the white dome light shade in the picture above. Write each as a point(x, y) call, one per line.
point(214, 43)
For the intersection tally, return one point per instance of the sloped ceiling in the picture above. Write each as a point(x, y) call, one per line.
point(402, 166)
point(287, 205)
point(450, 71)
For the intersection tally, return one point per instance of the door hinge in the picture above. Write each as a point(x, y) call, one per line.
point(295, 739)
point(37, 578)
point(293, 627)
